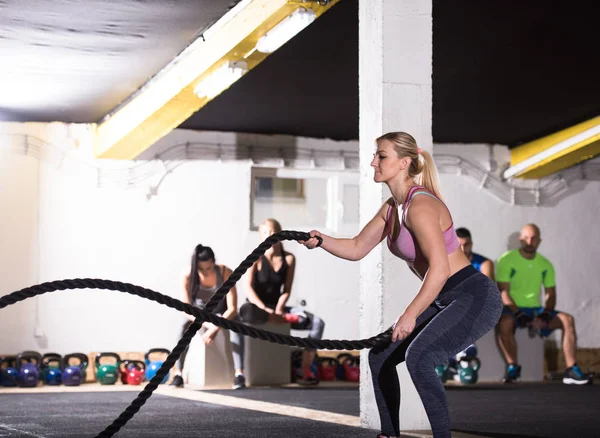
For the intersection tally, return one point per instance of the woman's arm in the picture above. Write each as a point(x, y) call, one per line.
point(250, 292)
point(231, 296)
point(230, 313)
point(287, 286)
point(185, 297)
point(358, 247)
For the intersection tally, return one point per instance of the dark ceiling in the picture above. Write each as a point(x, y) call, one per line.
point(503, 72)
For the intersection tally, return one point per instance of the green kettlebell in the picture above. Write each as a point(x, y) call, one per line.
point(468, 369)
point(442, 372)
point(108, 373)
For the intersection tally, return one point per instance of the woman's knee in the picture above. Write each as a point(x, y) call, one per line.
point(417, 364)
point(318, 327)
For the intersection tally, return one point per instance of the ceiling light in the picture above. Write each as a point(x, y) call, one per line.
point(285, 30)
point(220, 79)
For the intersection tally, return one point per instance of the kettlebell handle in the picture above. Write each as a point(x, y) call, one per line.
point(28, 355)
point(342, 357)
point(108, 354)
point(328, 361)
point(11, 361)
point(137, 364)
point(156, 350)
point(83, 360)
point(469, 359)
point(51, 357)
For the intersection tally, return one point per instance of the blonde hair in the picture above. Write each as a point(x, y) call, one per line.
point(276, 227)
point(423, 171)
point(274, 223)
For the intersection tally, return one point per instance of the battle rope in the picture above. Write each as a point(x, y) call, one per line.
point(201, 315)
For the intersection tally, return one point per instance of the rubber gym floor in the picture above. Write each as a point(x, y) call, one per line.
point(482, 410)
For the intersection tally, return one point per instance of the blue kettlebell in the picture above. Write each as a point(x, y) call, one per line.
point(52, 375)
point(74, 375)
point(9, 374)
point(468, 371)
point(29, 363)
point(442, 372)
point(153, 366)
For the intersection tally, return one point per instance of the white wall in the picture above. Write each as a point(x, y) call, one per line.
point(570, 234)
point(19, 247)
point(120, 234)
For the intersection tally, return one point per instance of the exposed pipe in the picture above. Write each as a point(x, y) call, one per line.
point(151, 173)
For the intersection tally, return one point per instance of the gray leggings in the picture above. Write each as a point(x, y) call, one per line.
point(237, 348)
point(468, 306)
point(313, 323)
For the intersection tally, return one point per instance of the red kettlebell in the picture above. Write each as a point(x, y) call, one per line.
point(327, 368)
point(135, 372)
point(132, 372)
point(123, 371)
point(352, 369)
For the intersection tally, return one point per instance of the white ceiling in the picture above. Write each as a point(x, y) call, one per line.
point(75, 60)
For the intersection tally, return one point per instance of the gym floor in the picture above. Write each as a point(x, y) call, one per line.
point(483, 410)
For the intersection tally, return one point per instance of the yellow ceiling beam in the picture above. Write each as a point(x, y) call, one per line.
point(555, 152)
point(169, 99)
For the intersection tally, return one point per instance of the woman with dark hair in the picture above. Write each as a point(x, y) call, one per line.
point(269, 285)
point(456, 303)
point(199, 285)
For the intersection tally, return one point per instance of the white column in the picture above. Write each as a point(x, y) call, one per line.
point(395, 68)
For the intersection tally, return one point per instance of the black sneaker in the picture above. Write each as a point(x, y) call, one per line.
point(574, 376)
point(239, 382)
point(513, 373)
point(177, 382)
point(308, 380)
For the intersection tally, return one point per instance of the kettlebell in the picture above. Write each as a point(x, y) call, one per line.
point(29, 372)
point(52, 375)
point(468, 369)
point(9, 374)
point(108, 373)
point(132, 372)
point(442, 372)
point(327, 368)
point(74, 375)
point(152, 367)
point(341, 372)
point(352, 368)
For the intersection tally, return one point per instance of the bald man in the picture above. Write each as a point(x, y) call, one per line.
point(520, 274)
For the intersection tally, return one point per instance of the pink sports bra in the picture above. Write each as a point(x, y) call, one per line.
point(405, 246)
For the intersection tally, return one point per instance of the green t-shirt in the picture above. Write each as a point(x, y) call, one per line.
point(526, 277)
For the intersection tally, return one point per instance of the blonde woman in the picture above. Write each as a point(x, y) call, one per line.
point(456, 304)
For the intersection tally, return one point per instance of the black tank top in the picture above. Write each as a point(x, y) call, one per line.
point(267, 283)
point(202, 295)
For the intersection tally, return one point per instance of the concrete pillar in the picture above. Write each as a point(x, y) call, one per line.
point(395, 68)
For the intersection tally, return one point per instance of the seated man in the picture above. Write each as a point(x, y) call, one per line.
point(520, 274)
point(481, 263)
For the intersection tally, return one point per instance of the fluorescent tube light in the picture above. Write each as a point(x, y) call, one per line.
point(220, 79)
point(285, 30)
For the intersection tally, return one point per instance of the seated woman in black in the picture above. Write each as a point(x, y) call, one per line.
point(269, 284)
